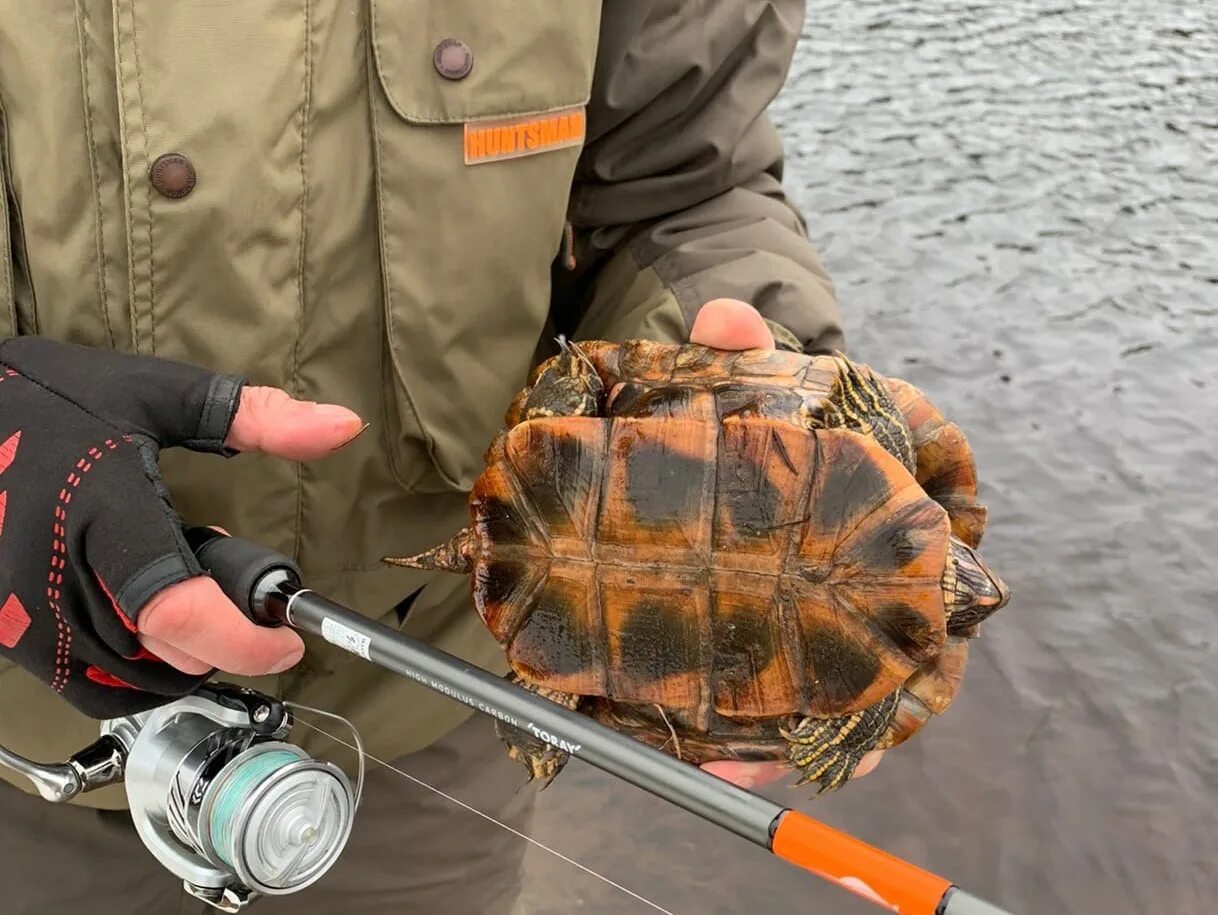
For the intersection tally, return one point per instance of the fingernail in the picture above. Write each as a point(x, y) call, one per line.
point(360, 431)
point(288, 661)
point(335, 412)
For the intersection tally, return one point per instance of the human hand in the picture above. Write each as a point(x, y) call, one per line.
point(191, 625)
point(730, 324)
point(105, 602)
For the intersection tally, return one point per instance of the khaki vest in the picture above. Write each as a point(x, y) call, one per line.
point(335, 243)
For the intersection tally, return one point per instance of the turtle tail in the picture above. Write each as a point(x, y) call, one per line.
point(457, 555)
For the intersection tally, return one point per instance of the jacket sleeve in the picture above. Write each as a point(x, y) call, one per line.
point(678, 194)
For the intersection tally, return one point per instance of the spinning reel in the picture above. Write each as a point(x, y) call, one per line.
point(216, 793)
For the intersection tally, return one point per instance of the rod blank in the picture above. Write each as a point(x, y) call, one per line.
point(722, 803)
point(266, 587)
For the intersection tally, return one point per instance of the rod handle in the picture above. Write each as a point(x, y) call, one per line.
point(242, 569)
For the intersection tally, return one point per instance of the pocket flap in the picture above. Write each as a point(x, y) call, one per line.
point(525, 56)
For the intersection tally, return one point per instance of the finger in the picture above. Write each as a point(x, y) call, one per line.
point(269, 420)
point(746, 774)
point(732, 325)
point(868, 763)
point(750, 775)
point(196, 618)
point(173, 657)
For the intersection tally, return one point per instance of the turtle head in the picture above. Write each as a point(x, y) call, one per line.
point(972, 591)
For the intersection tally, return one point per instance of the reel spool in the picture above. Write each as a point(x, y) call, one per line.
point(228, 806)
point(278, 818)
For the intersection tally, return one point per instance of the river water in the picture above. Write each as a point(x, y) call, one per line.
point(1018, 200)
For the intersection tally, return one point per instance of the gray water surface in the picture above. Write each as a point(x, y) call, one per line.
point(1018, 202)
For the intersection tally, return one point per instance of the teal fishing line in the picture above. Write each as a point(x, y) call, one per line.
point(231, 798)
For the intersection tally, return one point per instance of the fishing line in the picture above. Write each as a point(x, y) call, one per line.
point(246, 777)
point(359, 743)
point(486, 816)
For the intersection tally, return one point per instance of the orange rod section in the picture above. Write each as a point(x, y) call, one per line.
point(858, 867)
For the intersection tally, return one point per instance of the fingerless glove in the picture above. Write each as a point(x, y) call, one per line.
point(87, 530)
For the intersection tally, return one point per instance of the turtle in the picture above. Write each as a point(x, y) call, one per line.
point(753, 555)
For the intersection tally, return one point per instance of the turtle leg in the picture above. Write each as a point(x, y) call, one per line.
point(928, 692)
point(540, 759)
point(569, 384)
point(828, 750)
point(863, 403)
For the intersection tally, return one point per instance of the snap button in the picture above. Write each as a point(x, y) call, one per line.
point(173, 175)
point(453, 58)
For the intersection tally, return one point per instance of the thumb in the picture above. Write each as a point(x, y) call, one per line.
point(730, 324)
point(194, 627)
point(269, 420)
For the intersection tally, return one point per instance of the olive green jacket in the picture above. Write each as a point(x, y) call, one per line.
point(393, 205)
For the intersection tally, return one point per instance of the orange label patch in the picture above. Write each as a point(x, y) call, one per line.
point(490, 141)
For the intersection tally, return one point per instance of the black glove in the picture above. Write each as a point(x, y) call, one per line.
point(87, 531)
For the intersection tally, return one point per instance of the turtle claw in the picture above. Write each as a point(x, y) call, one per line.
point(830, 770)
point(829, 750)
point(539, 759)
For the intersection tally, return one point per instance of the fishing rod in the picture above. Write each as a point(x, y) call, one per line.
point(282, 833)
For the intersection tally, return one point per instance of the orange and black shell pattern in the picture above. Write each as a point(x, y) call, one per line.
point(744, 568)
point(727, 554)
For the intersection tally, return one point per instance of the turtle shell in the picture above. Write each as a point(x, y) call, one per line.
point(729, 564)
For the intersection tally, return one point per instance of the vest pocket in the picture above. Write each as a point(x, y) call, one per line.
point(478, 114)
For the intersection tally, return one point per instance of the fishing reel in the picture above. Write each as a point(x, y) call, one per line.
point(217, 794)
